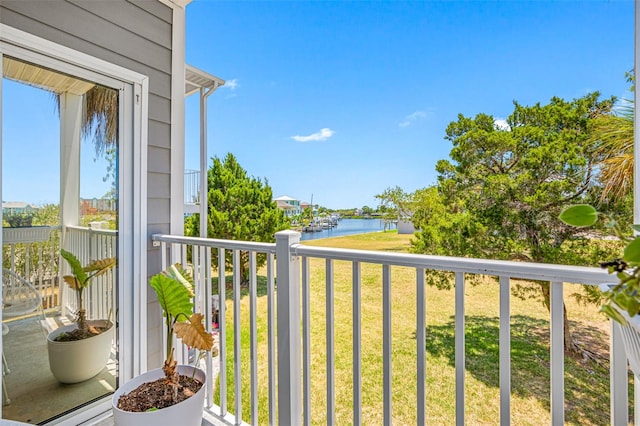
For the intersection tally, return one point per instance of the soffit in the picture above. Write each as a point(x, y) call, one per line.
point(195, 79)
point(43, 78)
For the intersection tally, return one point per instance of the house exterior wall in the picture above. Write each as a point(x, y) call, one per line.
point(405, 227)
point(137, 35)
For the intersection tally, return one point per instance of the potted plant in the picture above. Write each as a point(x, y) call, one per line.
point(19, 220)
point(622, 298)
point(79, 351)
point(172, 394)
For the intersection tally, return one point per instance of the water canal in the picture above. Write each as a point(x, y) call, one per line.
point(347, 227)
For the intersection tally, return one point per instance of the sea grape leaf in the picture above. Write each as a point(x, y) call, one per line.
point(632, 251)
point(613, 313)
point(580, 215)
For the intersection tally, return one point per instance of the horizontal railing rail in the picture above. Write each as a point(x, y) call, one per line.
point(291, 333)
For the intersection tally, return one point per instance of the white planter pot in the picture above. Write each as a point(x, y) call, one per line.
point(80, 360)
point(185, 413)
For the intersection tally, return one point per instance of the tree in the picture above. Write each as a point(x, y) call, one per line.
point(614, 132)
point(395, 203)
point(240, 207)
point(500, 195)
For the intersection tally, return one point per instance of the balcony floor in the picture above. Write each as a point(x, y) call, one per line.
point(35, 395)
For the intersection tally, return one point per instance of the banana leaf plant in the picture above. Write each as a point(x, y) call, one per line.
point(175, 290)
point(80, 279)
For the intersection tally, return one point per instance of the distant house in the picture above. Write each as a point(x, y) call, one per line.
point(16, 207)
point(290, 206)
point(95, 205)
point(405, 226)
point(405, 223)
point(304, 205)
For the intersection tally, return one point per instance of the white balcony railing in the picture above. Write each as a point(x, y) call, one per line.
point(90, 244)
point(191, 186)
point(32, 253)
point(290, 334)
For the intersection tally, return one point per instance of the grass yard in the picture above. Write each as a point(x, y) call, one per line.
point(586, 380)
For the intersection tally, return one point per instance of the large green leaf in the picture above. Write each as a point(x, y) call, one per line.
point(173, 296)
point(76, 267)
point(580, 215)
point(632, 251)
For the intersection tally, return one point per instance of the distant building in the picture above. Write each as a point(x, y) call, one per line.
point(90, 206)
point(16, 207)
point(290, 206)
point(405, 226)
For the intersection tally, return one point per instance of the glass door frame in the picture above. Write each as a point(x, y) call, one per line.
point(132, 206)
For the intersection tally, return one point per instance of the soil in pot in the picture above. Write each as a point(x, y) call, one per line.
point(157, 394)
point(79, 334)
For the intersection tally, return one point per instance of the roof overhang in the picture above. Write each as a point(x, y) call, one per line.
point(196, 79)
point(175, 3)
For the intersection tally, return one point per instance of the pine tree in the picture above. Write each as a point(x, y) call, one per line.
point(240, 207)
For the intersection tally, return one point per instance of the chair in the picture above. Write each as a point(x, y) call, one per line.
point(19, 298)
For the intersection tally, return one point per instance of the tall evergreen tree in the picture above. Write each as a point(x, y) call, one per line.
point(240, 207)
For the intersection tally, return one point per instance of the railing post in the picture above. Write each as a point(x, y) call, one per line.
point(288, 325)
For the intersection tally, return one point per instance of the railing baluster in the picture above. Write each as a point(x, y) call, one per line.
point(557, 353)
point(460, 348)
point(271, 325)
point(386, 343)
point(357, 344)
point(253, 331)
point(237, 341)
point(208, 292)
point(505, 352)
point(306, 343)
point(222, 331)
point(329, 317)
point(421, 350)
point(618, 374)
point(636, 400)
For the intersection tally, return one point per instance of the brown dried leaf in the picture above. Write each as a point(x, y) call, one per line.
point(193, 334)
point(72, 282)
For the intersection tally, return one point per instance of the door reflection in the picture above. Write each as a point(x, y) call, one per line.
point(59, 180)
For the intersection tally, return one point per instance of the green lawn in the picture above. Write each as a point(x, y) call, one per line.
point(586, 381)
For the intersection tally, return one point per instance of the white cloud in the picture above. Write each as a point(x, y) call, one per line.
point(501, 124)
point(411, 118)
point(231, 84)
point(322, 135)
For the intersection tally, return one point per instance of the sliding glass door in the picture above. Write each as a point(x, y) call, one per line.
point(60, 145)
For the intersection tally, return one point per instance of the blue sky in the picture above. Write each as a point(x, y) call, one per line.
point(344, 99)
